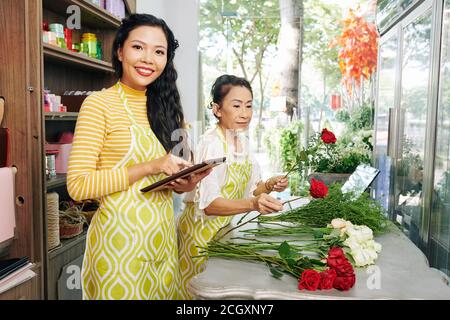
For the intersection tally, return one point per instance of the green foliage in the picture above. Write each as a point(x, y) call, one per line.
point(319, 212)
point(290, 144)
point(361, 118)
point(250, 27)
point(355, 145)
point(322, 25)
point(342, 157)
point(297, 184)
point(349, 163)
point(342, 115)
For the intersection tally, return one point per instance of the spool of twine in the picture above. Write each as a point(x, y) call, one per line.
point(52, 220)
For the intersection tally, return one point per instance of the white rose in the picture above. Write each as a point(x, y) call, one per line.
point(372, 244)
point(352, 243)
point(359, 257)
point(360, 233)
point(363, 257)
point(366, 233)
point(371, 254)
point(338, 223)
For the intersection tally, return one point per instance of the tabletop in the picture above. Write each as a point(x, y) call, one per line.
point(401, 272)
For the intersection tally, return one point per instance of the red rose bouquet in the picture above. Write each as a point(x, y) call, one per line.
point(340, 274)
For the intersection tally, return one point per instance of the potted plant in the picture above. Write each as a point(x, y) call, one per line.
point(332, 161)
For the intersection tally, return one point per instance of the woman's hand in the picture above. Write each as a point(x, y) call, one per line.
point(278, 183)
point(266, 204)
point(188, 184)
point(169, 164)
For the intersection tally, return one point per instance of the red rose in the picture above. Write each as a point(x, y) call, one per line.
point(344, 283)
point(327, 278)
point(318, 189)
point(344, 269)
point(328, 137)
point(309, 280)
point(336, 260)
point(336, 252)
point(335, 263)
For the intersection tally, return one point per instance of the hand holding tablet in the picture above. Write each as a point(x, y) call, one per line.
point(185, 173)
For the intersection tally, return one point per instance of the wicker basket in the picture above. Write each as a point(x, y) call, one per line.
point(89, 215)
point(71, 222)
point(88, 209)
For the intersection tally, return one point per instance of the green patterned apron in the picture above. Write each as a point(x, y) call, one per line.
point(193, 232)
point(131, 250)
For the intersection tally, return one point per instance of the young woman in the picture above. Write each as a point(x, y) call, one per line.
point(121, 144)
point(232, 188)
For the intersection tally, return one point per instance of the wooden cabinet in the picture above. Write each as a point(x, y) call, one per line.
point(25, 291)
point(20, 84)
point(27, 67)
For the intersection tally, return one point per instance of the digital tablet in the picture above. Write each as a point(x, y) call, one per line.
point(197, 168)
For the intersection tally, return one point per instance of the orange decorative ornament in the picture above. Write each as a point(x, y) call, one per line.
point(359, 50)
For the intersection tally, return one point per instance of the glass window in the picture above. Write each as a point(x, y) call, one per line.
point(385, 103)
point(440, 215)
point(387, 10)
point(412, 126)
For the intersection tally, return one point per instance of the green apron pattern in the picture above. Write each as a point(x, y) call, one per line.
point(194, 232)
point(131, 250)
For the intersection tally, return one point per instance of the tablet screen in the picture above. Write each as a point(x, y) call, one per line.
point(197, 168)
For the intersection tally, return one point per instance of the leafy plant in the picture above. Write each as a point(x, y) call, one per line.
point(342, 115)
point(290, 144)
point(361, 118)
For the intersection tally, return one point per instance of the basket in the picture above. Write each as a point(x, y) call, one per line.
point(89, 215)
point(88, 209)
point(71, 222)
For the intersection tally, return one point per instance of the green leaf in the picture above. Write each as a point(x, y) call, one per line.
point(318, 234)
point(284, 250)
point(291, 262)
point(276, 272)
point(303, 155)
point(305, 263)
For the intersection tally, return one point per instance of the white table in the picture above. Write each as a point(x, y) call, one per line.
point(401, 272)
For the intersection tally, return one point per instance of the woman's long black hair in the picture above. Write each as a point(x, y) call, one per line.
point(164, 110)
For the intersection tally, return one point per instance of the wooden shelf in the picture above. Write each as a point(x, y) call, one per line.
point(91, 15)
point(55, 53)
point(61, 116)
point(57, 181)
point(66, 244)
